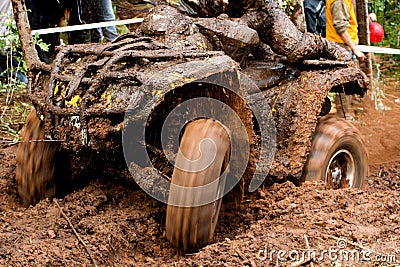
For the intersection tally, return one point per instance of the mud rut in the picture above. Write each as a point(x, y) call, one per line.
point(122, 226)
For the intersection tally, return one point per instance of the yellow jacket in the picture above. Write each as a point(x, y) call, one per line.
point(340, 16)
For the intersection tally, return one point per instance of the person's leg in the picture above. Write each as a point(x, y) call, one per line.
point(17, 64)
point(6, 65)
point(311, 20)
point(106, 13)
point(96, 35)
point(321, 21)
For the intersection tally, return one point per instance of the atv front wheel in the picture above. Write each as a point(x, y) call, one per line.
point(338, 155)
point(35, 162)
point(192, 227)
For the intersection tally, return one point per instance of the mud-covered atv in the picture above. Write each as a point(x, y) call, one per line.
point(191, 123)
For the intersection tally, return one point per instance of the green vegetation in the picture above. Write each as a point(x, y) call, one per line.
point(388, 15)
point(14, 106)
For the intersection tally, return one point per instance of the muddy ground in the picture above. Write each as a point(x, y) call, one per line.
point(122, 226)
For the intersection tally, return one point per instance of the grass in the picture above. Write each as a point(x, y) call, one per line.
point(14, 108)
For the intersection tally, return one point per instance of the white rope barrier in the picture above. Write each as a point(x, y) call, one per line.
point(378, 50)
point(87, 26)
point(363, 48)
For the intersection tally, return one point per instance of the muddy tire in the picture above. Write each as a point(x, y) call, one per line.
point(338, 155)
point(35, 163)
point(191, 227)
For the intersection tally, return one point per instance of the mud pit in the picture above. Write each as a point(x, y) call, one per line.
point(122, 226)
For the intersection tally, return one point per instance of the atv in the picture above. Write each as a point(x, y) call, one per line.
point(191, 108)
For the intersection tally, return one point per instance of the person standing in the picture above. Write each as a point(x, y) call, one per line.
point(341, 25)
point(314, 11)
point(342, 28)
point(45, 14)
point(105, 13)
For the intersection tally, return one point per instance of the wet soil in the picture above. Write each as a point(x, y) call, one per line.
point(119, 225)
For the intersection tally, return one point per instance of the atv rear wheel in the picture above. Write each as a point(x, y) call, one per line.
point(35, 163)
point(192, 227)
point(338, 155)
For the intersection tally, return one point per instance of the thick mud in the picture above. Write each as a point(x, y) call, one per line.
point(121, 226)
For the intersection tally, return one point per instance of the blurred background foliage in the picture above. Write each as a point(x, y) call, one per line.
point(388, 15)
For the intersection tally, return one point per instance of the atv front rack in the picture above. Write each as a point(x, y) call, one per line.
point(81, 74)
